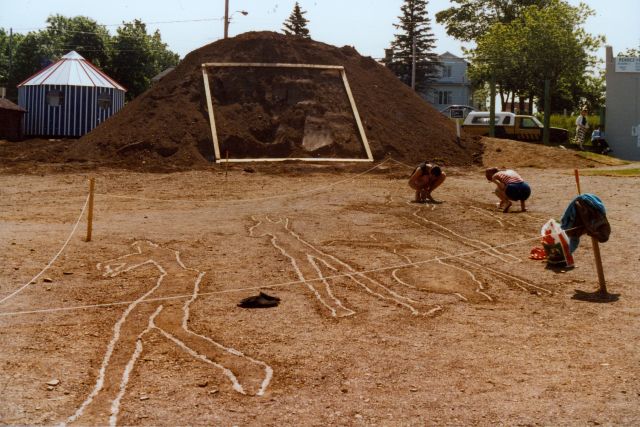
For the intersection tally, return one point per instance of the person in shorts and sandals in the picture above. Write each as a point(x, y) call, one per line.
point(424, 179)
point(510, 187)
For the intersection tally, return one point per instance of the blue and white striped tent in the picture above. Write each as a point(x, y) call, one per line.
point(68, 98)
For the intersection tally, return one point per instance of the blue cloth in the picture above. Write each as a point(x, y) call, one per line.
point(518, 191)
point(570, 216)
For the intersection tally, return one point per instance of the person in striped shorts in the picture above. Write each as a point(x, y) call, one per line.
point(509, 187)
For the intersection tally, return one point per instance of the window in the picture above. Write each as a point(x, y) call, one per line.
point(445, 97)
point(104, 100)
point(446, 71)
point(528, 122)
point(507, 120)
point(55, 98)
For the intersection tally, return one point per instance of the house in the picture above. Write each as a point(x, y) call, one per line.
point(453, 86)
point(622, 128)
point(10, 120)
point(69, 98)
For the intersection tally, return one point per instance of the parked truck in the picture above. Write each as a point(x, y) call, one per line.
point(512, 126)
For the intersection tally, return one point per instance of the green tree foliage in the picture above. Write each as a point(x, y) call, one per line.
point(415, 27)
point(82, 34)
point(470, 19)
point(8, 50)
point(138, 56)
point(544, 43)
point(296, 24)
point(131, 57)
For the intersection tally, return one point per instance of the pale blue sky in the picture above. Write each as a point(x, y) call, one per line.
point(365, 24)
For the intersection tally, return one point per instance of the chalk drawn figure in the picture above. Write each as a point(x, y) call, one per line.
point(316, 269)
point(169, 318)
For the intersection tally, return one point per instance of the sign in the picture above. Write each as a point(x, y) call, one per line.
point(627, 64)
point(456, 113)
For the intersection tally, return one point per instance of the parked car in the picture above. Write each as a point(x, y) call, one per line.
point(512, 126)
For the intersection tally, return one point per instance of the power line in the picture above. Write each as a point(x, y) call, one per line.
point(122, 23)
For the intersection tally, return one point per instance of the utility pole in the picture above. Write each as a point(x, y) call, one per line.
point(492, 105)
point(413, 63)
point(10, 76)
point(226, 19)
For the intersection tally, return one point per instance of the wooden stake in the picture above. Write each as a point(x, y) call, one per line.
point(226, 166)
point(92, 185)
point(596, 248)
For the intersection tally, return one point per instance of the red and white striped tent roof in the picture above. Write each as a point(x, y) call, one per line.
point(72, 70)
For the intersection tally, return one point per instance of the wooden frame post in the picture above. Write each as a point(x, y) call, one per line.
point(596, 247)
point(212, 120)
point(92, 185)
point(343, 74)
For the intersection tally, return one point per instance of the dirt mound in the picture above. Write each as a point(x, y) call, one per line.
point(274, 113)
point(505, 153)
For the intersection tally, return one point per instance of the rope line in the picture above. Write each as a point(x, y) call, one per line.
point(254, 199)
point(73, 231)
point(276, 285)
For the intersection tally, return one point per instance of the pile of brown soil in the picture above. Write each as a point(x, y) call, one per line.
point(262, 112)
point(273, 112)
point(506, 153)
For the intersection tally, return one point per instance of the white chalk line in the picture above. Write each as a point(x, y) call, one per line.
point(479, 289)
point(485, 213)
point(185, 325)
point(499, 254)
point(115, 405)
point(110, 271)
point(253, 199)
point(488, 268)
point(487, 250)
point(398, 299)
point(116, 337)
point(280, 285)
point(66, 242)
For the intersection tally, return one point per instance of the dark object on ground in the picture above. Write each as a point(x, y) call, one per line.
point(259, 301)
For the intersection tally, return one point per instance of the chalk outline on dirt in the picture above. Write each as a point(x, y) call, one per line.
point(312, 255)
point(122, 267)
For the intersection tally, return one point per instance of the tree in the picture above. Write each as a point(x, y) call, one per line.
point(138, 56)
point(8, 51)
point(414, 42)
point(473, 18)
point(132, 56)
point(518, 54)
point(296, 24)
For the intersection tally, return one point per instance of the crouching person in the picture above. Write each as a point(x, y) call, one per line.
point(510, 187)
point(425, 179)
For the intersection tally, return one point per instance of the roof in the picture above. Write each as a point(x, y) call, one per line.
point(5, 104)
point(72, 70)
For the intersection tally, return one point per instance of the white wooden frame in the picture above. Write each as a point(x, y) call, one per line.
point(212, 121)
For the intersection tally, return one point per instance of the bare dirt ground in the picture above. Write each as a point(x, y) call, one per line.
point(416, 322)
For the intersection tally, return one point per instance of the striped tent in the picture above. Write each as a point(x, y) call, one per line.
point(68, 98)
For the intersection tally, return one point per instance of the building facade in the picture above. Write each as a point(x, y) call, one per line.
point(622, 127)
point(453, 86)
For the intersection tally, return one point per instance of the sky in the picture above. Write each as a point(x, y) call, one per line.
point(365, 24)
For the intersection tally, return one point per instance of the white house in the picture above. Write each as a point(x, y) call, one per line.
point(453, 86)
